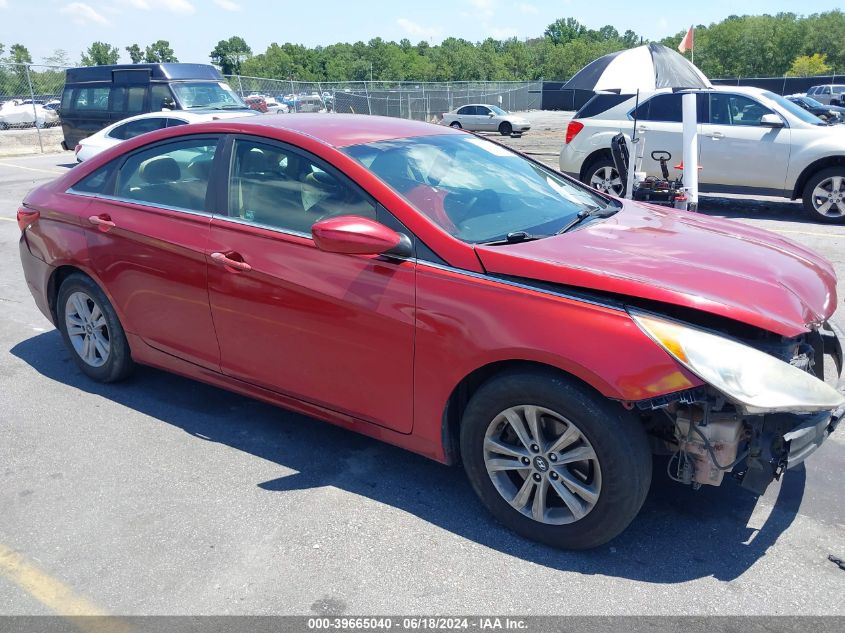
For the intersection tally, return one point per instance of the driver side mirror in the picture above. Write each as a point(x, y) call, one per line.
point(771, 120)
point(492, 114)
point(356, 235)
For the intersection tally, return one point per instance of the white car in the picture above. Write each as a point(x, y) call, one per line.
point(751, 141)
point(16, 113)
point(143, 123)
point(480, 117)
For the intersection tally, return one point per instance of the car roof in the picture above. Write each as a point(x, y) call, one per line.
point(342, 130)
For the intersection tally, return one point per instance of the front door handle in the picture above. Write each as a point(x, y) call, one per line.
point(102, 222)
point(228, 262)
point(716, 135)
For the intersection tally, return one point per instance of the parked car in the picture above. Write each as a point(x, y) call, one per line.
point(831, 114)
point(480, 117)
point(94, 97)
point(143, 123)
point(828, 94)
point(309, 103)
point(274, 106)
point(15, 113)
point(443, 293)
point(256, 102)
point(751, 141)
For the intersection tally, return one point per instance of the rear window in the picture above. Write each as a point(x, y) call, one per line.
point(600, 103)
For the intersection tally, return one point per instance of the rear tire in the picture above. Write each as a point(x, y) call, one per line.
point(505, 128)
point(455, 125)
point(583, 456)
point(601, 175)
point(92, 331)
point(824, 195)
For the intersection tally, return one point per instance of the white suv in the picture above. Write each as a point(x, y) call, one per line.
point(750, 141)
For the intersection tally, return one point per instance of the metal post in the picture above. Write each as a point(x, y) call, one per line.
point(690, 128)
point(34, 109)
point(240, 86)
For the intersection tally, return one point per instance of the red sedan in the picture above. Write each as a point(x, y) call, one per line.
point(440, 292)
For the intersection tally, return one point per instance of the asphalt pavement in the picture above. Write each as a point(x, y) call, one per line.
point(161, 495)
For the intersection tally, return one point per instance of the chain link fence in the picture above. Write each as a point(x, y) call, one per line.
point(423, 101)
point(29, 99)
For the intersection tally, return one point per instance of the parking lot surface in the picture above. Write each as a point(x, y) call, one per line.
point(162, 495)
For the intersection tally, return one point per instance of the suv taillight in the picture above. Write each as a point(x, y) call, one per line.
point(572, 130)
point(77, 148)
point(26, 217)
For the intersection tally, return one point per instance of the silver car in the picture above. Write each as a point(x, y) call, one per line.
point(828, 94)
point(480, 117)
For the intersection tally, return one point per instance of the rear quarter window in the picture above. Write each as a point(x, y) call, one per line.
point(600, 103)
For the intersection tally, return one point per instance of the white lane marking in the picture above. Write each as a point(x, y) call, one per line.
point(46, 171)
point(9, 219)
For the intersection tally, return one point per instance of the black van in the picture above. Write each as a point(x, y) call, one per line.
point(97, 96)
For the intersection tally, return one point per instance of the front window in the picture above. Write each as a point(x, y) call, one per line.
point(208, 94)
point(498, 110)
point(476, 190)
point(794, 109)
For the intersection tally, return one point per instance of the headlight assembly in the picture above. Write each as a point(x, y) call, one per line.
point(754, 380)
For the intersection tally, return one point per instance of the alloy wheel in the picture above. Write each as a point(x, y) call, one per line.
point(542, 464)
point(87, 329)
point(828, 197)
point(606, 179)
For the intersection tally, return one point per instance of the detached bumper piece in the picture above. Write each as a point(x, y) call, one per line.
point(785, 440)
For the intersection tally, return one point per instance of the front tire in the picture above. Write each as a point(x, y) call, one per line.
point(92, 331)
point(505, 128)
point(554, 461)
point(602, 176)
point(824, 195)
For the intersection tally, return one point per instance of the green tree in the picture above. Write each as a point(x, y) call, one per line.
point(100, 54)
point(19, 54)
point(135, 53)
point(159, 52)
point(230, 54)
point(58, 58)
point(565, 30)
point(809, 65)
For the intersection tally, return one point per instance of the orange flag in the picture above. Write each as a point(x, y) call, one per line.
point(688, 42)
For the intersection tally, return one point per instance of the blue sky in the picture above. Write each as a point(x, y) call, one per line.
point(193, 27)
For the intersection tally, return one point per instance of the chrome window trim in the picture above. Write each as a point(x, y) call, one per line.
point(141, 203)
point(275, 229)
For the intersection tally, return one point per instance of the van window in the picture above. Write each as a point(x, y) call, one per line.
point(91, 99)
point(161, 98)
point(129, 100)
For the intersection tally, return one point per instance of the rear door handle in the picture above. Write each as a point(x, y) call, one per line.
point(102, 222)
point(228, 262)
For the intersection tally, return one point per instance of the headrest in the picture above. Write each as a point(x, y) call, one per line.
point(159, 170)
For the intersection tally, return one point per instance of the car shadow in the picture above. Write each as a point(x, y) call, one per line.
point(754, 209)
point(679, 535)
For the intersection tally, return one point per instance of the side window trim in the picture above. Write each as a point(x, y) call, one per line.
point(118, 163)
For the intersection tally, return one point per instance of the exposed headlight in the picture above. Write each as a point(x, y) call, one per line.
point(756, 381)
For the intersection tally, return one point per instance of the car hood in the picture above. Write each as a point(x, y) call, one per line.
point(686, 259)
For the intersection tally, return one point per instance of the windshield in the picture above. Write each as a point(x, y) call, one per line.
point(477, 190)
point(210, 94)
point(498, 110)
point(794, 109)
point(811, 102)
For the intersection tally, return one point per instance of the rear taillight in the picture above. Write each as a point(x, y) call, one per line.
point(572, 130)
point(26, 217)
point(77, 148)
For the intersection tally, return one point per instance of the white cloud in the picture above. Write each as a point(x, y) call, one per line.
point(228, 5)
point(418, 30)
point(3, 4)
point(82, 14)
point(481, 8)
point(524, 7)
point(179, 7)
point(499, 33)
